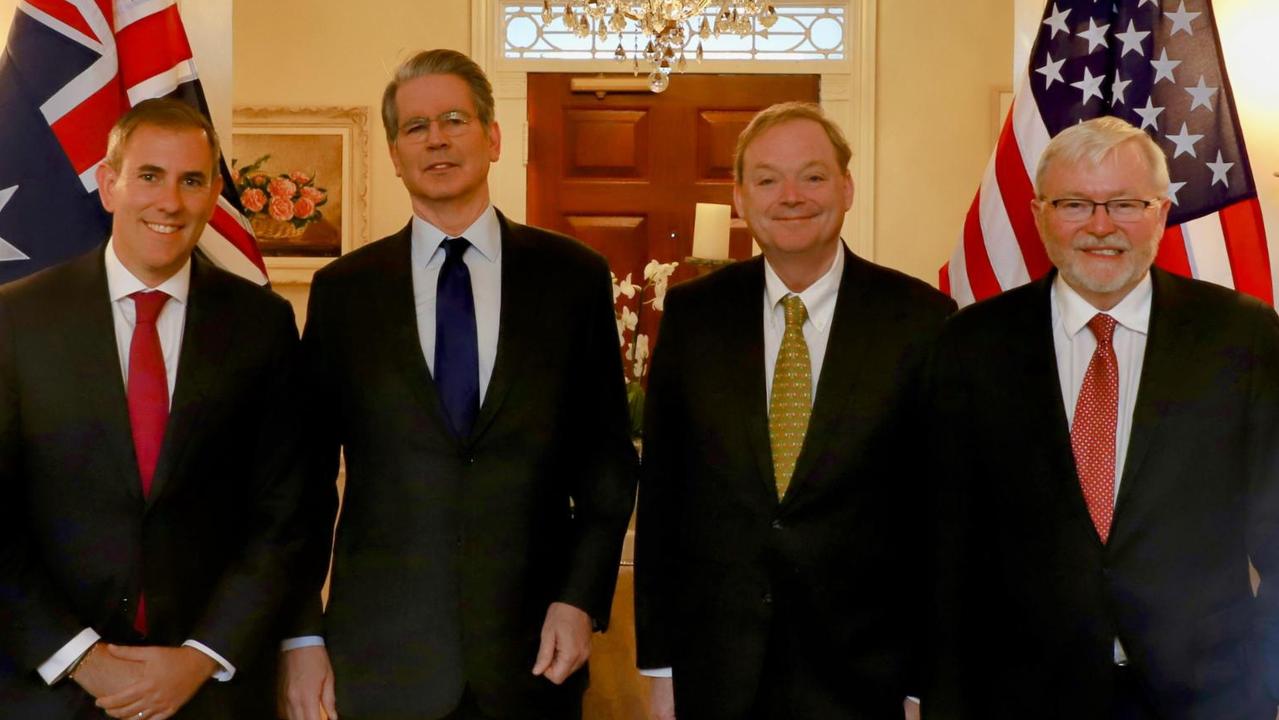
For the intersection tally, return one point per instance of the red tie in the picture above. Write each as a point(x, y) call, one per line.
point(148, 390)
point(1092, 436)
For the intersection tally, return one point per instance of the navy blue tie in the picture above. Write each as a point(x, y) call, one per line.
point(457, 353)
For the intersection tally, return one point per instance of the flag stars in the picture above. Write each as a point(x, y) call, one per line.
point(1181, 20)
point(1201, 94)
point(1219, 170)
point(1057, 21)
point(1173, 188)
point(1185, 142)
point(1164, 67)
point(1149, 115)
point(1095, 35)
point(1131, 39)
point(1051, 70)
point(1090, 86)
point(7, 251)
point(1117, 89)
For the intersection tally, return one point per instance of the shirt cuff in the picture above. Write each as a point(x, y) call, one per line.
point(56, 667)
point(300, 642)
point(227, 670)
point(913, 699)
point(656, 672)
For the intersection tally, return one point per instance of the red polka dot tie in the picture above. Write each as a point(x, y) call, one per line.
point(1092, 435)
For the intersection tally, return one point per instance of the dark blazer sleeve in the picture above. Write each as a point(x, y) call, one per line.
point(244, 606)
point(321, 450)
point(661, 480)
point(1263, 489)
point(34, 619)
point(603, 490)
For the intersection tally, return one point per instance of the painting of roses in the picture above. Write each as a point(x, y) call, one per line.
point(290, 187)
point(301, 176)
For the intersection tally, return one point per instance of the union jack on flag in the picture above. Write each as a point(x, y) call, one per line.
point(69, 70)
point(1158, 65)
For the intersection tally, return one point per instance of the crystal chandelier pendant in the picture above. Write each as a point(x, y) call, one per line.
point(620, 53)
point(682, 64)
point(547, 14)
point(657, 82)
point(700, 55)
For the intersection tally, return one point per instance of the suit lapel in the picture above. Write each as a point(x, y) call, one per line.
point(1160, 371)
point(741, 334)
point(92, 323)
point(206, 336)
point(517, 320)
point(841, 366)
point(390, 303)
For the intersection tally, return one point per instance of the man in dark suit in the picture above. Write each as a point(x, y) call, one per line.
point(469, 368)
point(775, 549)
point(1109, 438)
point(145, 544)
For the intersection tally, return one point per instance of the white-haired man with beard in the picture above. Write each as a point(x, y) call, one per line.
point(1107, 439)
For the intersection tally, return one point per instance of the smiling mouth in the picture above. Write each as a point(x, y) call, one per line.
point(435, 167)
point(162, 228)
point(1105, 252)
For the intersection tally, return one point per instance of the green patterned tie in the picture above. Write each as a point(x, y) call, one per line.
point(790, 405)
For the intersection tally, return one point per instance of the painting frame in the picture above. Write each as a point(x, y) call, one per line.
point(323, 123)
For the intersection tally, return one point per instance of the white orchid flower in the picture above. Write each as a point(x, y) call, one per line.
point(637, 370)
point(630, 352)
point(617, 290)
point(641, 348)
point(626, 287)
point(629, 319)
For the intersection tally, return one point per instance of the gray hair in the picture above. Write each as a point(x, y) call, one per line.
point(438, 62)
point(1094, 140)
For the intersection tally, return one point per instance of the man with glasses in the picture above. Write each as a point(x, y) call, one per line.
point(468, 368)
point(1107, 469)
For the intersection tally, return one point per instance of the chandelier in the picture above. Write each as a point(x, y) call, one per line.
point(664, 24)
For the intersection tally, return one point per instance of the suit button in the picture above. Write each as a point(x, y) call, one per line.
point(777, 524)
point(767, 598)
point(470, 460)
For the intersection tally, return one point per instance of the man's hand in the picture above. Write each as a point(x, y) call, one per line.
point(306, 685)
point(170, 676)
point(566, 642)
point(101, 673)
point(661, 698)
point(912, 709)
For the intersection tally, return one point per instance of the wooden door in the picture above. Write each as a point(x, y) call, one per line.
point(623, 172)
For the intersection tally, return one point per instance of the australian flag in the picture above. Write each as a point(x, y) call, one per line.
point(69, 70)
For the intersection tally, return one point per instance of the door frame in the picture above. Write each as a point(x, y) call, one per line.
point(847, 96)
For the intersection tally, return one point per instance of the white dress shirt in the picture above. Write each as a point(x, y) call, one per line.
point(1075, 344)
point(484, 262)
point(169, 326)
point(819, 300)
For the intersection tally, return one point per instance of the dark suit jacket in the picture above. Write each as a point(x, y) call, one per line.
point(212, 543)
point(1032, 599)
point(449, 550)
point(728, 580)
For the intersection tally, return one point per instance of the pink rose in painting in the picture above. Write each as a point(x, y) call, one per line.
point(253, 200)
point(258, 179)
point(299, 177)
point(282, 188)
point(314, 194)
point(281, 208)
point(303, 208)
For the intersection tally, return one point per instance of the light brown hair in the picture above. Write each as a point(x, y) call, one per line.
point(785, 112)
point(437, 62)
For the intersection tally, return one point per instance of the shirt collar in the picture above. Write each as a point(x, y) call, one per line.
point(121, 283)
point(819, 298)
point(1133, 312)
point(485, 235)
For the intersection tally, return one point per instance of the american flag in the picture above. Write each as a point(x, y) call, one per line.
point(69, 70)
point(1158, 65)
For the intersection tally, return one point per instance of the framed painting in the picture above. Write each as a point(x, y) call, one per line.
point(302, 177)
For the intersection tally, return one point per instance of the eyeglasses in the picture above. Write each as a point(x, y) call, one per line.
point(452, 123)
point(1120, 209)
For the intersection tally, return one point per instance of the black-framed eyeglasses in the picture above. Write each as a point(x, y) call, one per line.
point(1121, 209)
point(452, 123)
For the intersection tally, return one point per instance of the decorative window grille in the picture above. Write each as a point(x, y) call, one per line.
point(807, 32)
